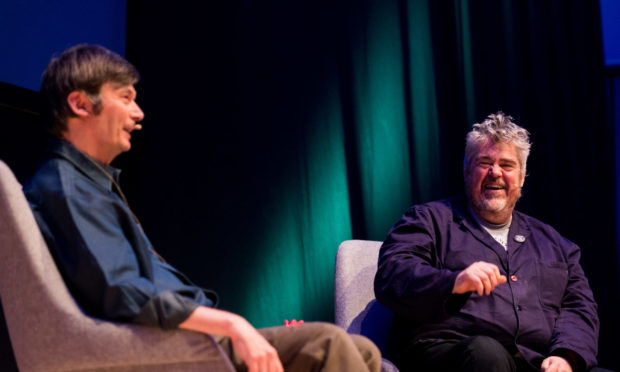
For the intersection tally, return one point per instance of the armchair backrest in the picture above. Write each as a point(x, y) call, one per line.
point(356, 308)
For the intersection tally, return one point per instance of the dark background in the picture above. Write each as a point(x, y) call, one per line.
point(275, 130)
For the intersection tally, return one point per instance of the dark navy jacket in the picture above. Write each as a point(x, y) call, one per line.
point(101, 250)
point(546, 304)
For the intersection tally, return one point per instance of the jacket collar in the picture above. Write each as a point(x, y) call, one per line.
point(517, 235)
point(84, 163)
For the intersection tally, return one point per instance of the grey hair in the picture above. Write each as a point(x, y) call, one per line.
point(498, 128)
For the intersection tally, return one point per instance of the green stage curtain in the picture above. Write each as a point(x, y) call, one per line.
point(275, 130)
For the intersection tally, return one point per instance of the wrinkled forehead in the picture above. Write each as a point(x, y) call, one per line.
point(504, 151)
point(498, 150)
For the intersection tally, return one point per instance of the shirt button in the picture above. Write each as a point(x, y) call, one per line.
point(513, 278)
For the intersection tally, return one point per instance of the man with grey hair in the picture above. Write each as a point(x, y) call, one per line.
point(477, 286)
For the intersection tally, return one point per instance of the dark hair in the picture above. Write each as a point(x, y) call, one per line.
point(84, 68)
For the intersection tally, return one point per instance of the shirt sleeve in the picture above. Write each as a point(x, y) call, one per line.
point(103, 256)
point(409, 280)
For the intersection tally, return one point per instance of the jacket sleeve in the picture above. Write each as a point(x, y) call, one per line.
point(577, 325)
point(410, 280)
point(98, 248)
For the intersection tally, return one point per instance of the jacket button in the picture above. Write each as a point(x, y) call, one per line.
point(519, 307)
point(513, 278)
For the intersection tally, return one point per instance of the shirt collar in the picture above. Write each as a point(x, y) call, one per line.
point(518, 225)
point(83, 162)
point(486, 224)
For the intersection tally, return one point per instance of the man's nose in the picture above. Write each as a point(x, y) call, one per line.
point(495, 171)
point(136, 113)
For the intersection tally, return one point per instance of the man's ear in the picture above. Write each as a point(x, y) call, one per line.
point(79, 103)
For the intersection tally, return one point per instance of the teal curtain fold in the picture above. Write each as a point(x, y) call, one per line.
point(306, 219)
point(423, 123)
point(379, 116)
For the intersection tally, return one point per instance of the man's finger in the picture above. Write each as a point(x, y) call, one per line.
point(479, 286)
point(493, 282)
point(252, 366)
point(486, 283)
point(277, 365)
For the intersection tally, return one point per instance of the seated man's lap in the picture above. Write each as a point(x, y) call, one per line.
point(478, 353)
point(315, 344)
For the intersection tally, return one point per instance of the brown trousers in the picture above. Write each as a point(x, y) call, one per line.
point(315, 347)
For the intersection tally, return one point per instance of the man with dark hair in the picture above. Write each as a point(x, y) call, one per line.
point(104, 255)
point(478, 286)
point(82, 69)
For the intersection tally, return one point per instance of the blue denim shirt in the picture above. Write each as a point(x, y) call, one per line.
point(546, 305)
point(101, 251)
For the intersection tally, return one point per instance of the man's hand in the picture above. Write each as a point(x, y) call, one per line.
point(255, 351)
point(555, 364)
point(481, 277)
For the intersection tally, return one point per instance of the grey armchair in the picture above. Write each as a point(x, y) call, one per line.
point(49, 332)
point(356, 308)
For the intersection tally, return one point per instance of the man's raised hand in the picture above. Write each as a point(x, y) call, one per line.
point(481, 277)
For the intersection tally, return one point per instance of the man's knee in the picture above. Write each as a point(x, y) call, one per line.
point(347, 348)
point(483, 351)
point(320, 330)
point(482, 344)
point(368, 350)
point(331, 348)
point(337, 334)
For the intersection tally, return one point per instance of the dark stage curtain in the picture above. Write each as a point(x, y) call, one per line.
point(275, 130)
